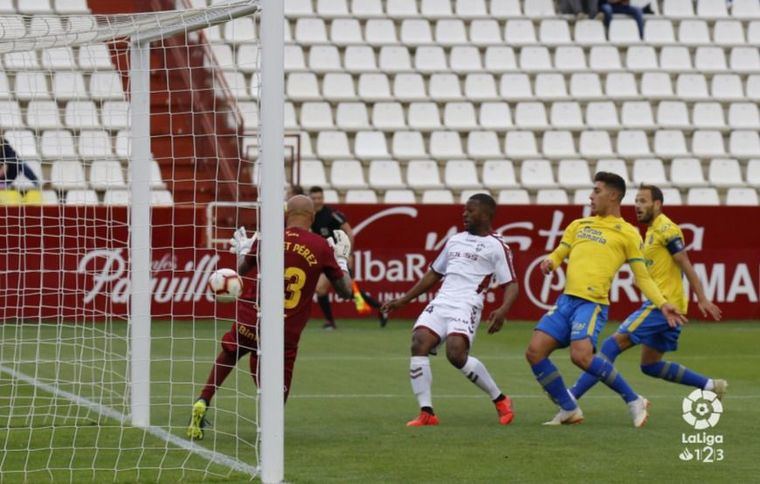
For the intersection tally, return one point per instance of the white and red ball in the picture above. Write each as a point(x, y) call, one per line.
point(225, 284)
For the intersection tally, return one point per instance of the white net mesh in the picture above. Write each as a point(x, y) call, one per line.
point(65, 110)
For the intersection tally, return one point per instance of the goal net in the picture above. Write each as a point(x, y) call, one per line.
point(129, 171)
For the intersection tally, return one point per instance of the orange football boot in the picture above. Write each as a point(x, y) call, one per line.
point(422, 420)
point(504, 409)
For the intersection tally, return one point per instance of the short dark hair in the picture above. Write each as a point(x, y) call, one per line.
point(611, 180)
point(485, 200)
point(316, 189)
point(655, 191)
point(296, 190)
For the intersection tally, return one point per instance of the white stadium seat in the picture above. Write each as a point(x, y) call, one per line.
point(316, 116)
point(742, 196)
point(399, 196)
point(346, 175)
point(708, 115)
point(483, 144)
point(637, 115)
point(566, 115)
point(670, 144)
point(633, 144)
point(499, 174)
point(10, 115)
point(408, 145)
point(424, 116)
point(535, 174)
point(687, 173)
point(707, 144)
point(450, 32)
point(367, 8)
point(513, 197)
point(446, 145)
point(595, 145)
point(520, 145)
point(728, 33)
point(555, 196)
point(495, 115)
point(415, 32)
point(81, 197)
point(725, 173)
point(558, 144)
point(360, 196)
point(371, 145)
point(332, 8)
point(336, 87)
point(81, 115)
point(650, 171)
point(702, 196)
point(744, 116)
point(461, 175)
point(388, 116)
point(744, 144)
point(574, 174)
point(67, 175)
point(673, 115)
point(485, 32)
point(94, 144)
point(615, 166)
point(602, 115)
point(43, 115)
point(313, 173)
point(437, 197)
point(423, 175)
point(385, 175)
point(332, 145)
point(380, 32)
point(107, 175)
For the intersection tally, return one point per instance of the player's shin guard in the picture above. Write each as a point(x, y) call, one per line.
point(676, 373)
point(476, 372)
point(422, 380)
point(610, 350)
point(549, 378)
point(607, 374)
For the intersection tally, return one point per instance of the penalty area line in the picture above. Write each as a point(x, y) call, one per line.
point(158, 432)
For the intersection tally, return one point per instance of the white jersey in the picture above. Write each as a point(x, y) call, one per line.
point(470, 264)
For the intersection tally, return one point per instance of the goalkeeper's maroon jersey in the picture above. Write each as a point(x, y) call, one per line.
point(307, 255)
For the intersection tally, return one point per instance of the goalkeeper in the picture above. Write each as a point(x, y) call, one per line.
point(307, 256)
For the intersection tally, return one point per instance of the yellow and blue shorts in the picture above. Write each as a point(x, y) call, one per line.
point(573, 319)
point(647, 325)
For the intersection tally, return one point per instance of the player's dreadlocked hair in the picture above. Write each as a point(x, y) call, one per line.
point(655, 191)
point(485, 200)
point(612, 180)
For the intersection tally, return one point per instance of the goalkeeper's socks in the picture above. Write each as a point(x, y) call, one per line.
point(324, 304)
point(476, 372)
point(421, 378)
point(549, 378)
point(610, 350)
point(674, 372)
point(607, 374)
point(223, 365)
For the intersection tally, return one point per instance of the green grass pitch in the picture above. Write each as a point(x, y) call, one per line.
point(351, 398)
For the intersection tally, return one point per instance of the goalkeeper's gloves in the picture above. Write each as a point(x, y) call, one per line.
point(240, 243)
point(341, 246)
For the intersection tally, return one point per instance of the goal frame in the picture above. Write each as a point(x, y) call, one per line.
point(271, 181)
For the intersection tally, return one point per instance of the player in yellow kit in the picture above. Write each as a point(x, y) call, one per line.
point(666, 257)
point(596, 247)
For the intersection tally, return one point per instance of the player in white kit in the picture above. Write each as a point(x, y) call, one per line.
point(469, 264)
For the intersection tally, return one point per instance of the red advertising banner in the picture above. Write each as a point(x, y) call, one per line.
point(72, 262)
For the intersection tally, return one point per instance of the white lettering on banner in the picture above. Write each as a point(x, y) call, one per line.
point(410, 268)
point(624, 281)
point(519, 242)
point(408, 211)
point(714, 283)
point(164, 289)
point(551, 287)
point(554, 234)
point(697, 236)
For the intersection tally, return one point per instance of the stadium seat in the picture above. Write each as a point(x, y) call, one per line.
point(43, 115)
point(316, 116)
point(520, 145)
point(753, 173)
point(566, 115)
point(67, 175)
point(678, 9)
point(294, 59)
point(550, 87)
point(331, 197)
point(359, 58)
point(744, 144)
point(161, 198)
point(539, 9)
point(71, 7)
point(687, 173)
point(753, 87)
point(633, 144)
point(499, 59)
point(595, 145)
point(495, 116)
point(568, 59)
point(23, 183)
point(554, 32)
point(624, 32)
point(332, 8)
point(5, 90)
point(94, 144)
point(312, 173)
point(641, 58)
point(621, 86)
point(710, 60)
point(531, 115)
point(409, 87)
point(589, 32)
point(707, 144)
point(673, 115)
point(346, 175)
point(388, 116)
point(380, 31)
point(10, 115)
point(483, 144)
point(742, 196)
point(105, 86)
point(58, 58)
point(289, 117)
point(437, 197)
point(424, 116)
point(414, 32)
point(725, 173)
point(31, 86)
point(554, 196)
point(650, 171)
point(711, 9)
point(408, 145)
point(675, 59)
point(515, 87)
point(31, 7)
point(708, 115)
point(558, 144)
point(745, 60)
point(581, 197)
point(399, 9)
point(435, 9)
point(430, 59)
point(82, 197)
point(727, 87)
point(445, 145)
point(298, 8)
point(585, 87)
point(385, 175)
point(659, 32)
point(24, 142)
point(461, 175)
point(499, 174)
point(310, 31)
point(394, 59)
point(336, 87)
point(656, 85)
point(471, 9)
point(485, 32)
point(671, 196)
point(450, 32)
point(221, 56)
point(744, 116)
point(325, 58)
point(445, 87)
point(360, 196)
point(302, 87)
point(57, 145)
point(535, 59)
point(728, 33)
point(239, 31)
point(693, 33)
point(519, 32)
point(107, 175)
point(367, 8)
point(745, 9)
point(479, 87)
point(332, 145)
point(602, 115)
point(399, 196)
point(513, 197)
point(604, 58)
point(370, 145)
point(616, 166)
point(237, 85)
point(81, 115)
point(536, 174)
point(670, 144)
point(423, 175)
point(574, 174)
point(637, 115)
point(702, 196)
point(372, 87)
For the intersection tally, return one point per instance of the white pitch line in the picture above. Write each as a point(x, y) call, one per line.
point(519, 357)
point(210, 455)
point(336, 396)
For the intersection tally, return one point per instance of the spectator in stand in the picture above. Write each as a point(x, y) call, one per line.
point(11, 166)
point(579, 7)
point(609, 7)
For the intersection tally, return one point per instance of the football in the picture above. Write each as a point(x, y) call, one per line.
point(225, 284)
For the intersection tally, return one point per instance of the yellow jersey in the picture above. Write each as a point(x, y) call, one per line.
point(597, 247)
point(664, 239)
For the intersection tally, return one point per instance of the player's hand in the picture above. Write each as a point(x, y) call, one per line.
point(674, 317)
point(496, 321)
point(546, 266)
point(392, 305)
point(240, 243)
point(341, 246)
point(707, 307)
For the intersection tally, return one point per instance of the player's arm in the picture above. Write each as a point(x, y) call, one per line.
point(705, 305)
point(497, 316)
point(242, 246)
point(337, 272)
point(346, 227)
point(430, 279)
point(554, 260)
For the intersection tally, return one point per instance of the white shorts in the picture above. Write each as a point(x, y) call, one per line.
point(444, 320)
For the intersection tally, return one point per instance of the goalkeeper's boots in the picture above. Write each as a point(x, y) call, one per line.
point(423, 419)
point(719, 388)
point(504, 409)
point(361, 305)
point(198, 420)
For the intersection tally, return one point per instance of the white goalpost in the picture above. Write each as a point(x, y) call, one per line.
point(132, 124)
